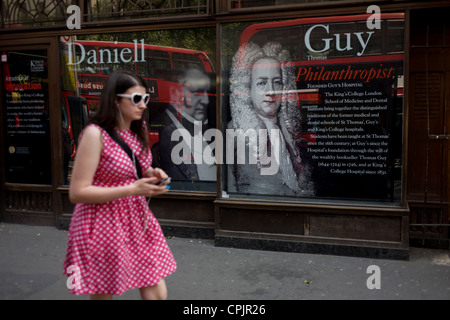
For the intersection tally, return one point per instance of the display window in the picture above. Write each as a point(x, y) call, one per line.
point(312, 109)
point(178, 67)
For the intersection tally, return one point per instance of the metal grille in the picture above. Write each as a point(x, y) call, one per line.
point(32, 13)
point(99, 10)
point(42, 13)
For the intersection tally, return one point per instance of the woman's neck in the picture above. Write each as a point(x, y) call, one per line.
point(124, 127)
point(122, 124)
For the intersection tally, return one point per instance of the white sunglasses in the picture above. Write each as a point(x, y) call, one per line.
point(136, 98)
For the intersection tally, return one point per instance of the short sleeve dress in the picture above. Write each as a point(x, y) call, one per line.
point(118, 245)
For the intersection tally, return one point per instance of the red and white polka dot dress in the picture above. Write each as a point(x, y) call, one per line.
point(118, 245)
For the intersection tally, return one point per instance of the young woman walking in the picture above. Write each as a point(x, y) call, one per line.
point(115, 242)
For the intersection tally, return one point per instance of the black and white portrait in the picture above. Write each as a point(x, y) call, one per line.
point(261, 83)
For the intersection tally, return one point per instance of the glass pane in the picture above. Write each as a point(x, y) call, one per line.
point(37, 13)
point(312, 110)
point(396, 36)
point(177, 67)
point(182, 61)
point(26, 110)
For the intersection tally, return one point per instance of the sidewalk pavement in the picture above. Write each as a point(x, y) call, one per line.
point(31, 260)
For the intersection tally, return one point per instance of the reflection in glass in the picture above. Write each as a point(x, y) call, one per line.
point(339, 108)
point(161, 59)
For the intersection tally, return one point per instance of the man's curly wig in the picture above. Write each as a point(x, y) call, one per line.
point(243, 113)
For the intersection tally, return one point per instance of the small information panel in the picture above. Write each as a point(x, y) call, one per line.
point(26, 111)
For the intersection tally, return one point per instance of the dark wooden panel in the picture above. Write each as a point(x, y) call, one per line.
point(357, 227)
point(29, 207)
point(29, 201)
point(266, 221)
point(427, 110)
point(183, 209)
point(428, 125)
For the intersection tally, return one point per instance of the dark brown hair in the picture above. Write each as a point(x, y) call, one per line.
point(107, 111)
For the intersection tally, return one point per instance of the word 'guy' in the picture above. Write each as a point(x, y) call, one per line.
point(373, 22)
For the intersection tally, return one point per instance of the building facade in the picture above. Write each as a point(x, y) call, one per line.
point(307, 126)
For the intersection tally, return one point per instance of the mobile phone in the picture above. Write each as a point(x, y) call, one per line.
point(163, 180)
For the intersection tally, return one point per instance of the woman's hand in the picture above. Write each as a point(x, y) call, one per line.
point(147, 187)
point(157, 173)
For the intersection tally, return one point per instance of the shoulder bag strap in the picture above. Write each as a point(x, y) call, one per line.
point(127, 149)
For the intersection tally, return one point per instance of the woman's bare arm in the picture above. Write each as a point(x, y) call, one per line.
point(86, 163)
